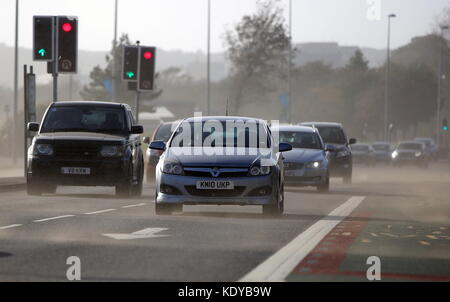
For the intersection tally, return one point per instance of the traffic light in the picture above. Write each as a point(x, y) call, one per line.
point(67, 44)
point(445, 125)
point(43, 31)
point(147, 68)
point(130, 63)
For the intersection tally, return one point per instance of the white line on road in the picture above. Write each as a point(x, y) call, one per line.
point(53, 218)
point(100, 212)
point(278, 266)
point(134, 205)
point(10, 226)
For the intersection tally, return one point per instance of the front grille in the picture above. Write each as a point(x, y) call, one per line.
point(300, 179)
point(192, 190)
point(293, 166)
point(76, 150)
point(207, 172)
point(406, 155)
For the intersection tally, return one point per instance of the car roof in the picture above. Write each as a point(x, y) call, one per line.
point(88, 103)
point(411, 142)
point(381, 143)
point(294, 128)
point(222, 118)
point(322, 124)
point(425, 139)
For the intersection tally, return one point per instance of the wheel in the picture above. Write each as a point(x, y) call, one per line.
point(163, 209)
point(324, 187)
point(276, 209)
point(34, 189)
point(138, 187)
point(123, 190)
point(50, 189)
point(348, 178)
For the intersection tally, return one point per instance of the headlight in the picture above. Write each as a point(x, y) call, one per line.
point(342, 153)
point(257, 171)
point(394, 154)
point(172, 168)
point(43, 149)
point(111, 151)
point(314, 165)
point(418, 154)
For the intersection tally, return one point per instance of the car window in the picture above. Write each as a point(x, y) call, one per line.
point(332, 135)
point(163, 133)
point(304, 140)
point(410, 146)
point(360, 148)
point(84, 119)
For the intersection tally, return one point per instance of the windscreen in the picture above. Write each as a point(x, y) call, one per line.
point(164, 132)
point(332, 135)
point(303, 140)
point(410, 146)
point(84, 119)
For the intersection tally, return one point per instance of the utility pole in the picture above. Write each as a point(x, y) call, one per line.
point(114, 65)
point(16, 86)
point(290, 65)
point(388, 70)
point(137, 100)
point(208, 62)
point(439, 92)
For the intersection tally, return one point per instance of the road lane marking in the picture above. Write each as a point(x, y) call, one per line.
point(100, 212)
point(134, 205)
point(142, 234)
point(53, 218)
point(10, 226)
point(278, 266)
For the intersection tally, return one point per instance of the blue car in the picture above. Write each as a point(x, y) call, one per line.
point(220, 161)
point(307, 163)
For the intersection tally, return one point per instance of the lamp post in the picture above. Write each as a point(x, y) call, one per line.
point(114, 65)
point(388, 70)
point(208, 61)
point(438, 101)
point(290, 65)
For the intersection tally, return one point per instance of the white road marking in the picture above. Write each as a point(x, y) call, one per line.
point(134, 205)
point(100, 212)
point(278, 266)
point(53, 218)
point(142, 234)
point(10, 226)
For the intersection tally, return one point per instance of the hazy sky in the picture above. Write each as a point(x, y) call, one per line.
point(181, 24)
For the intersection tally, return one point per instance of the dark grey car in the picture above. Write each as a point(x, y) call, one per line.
point(220, 160)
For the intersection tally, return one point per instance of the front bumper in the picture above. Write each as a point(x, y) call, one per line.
point(189, 195)
point(306, 177)
point(340, 166)
point(104, 172)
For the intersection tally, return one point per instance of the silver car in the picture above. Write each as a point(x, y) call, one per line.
point(220, 160)
point(307, 163)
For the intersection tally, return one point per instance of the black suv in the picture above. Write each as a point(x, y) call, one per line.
point(334, 136)
point(86, 144)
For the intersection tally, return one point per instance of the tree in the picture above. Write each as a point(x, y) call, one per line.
point(258, 49)
point(101, 80)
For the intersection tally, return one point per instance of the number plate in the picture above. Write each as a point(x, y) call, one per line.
point(76, 171)
point(215, 185)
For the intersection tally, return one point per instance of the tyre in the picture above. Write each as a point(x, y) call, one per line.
point(324, 188)
point(34, 189)
point(124, 190)
point(163, 209)
point(138, 187)
point(277, 209)
point(50, 189)
point(348, 178)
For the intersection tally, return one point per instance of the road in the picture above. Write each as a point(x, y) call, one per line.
point(401, 216)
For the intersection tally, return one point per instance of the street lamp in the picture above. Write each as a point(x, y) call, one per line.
point(388, 67)
point(438, 107)
point(208, 61)
point(290, 65)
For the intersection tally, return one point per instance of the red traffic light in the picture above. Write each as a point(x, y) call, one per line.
point(148, 55)
point(67, 27)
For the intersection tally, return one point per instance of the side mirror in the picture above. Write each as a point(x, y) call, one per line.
point(352, 141)
point(158, 145)
point(146, 140)
point(138, 129)
point(33, 127)
point(283, 147)
point(330, 148)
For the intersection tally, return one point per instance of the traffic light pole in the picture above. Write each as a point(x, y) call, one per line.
point(55, 61)
point(137, 86)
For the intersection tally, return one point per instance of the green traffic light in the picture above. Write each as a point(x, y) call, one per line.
point(42, 52)
point(445, 128)
point(130, 74)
